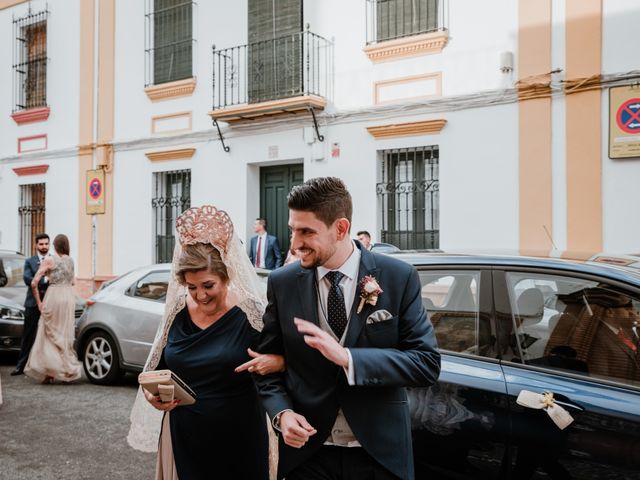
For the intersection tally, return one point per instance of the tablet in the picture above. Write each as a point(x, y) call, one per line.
point(152, 378)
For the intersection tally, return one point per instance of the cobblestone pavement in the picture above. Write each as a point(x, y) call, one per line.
point(61, 432)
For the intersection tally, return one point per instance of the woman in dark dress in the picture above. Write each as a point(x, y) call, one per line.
point(223, 435)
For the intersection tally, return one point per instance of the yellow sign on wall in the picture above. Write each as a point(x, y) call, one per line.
point(95, 192)
point(624, 122)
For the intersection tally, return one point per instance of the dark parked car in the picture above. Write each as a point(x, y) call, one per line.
point(508, 324)
point(12, 296)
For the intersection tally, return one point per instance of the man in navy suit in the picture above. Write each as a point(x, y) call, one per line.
point(31, 311)
point(265, 251)
point(341, 405)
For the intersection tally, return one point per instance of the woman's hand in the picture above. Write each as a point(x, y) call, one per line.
point(158, 404)
point(39, 306)
point(262, 363)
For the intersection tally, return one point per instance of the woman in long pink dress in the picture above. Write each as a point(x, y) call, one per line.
point(52, 356)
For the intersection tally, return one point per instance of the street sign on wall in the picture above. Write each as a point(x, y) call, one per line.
point(95, 192)
point(624, 122)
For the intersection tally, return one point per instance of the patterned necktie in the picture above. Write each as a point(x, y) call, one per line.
point(624, 338)
point(336, 312)
point(258, 251)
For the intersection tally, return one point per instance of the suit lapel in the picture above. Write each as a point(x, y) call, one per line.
point(308, 294)
point(357, 320)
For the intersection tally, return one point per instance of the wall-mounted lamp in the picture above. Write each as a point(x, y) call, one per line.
point(506, 62)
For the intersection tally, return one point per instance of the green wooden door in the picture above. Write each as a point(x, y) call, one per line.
point(275, 184)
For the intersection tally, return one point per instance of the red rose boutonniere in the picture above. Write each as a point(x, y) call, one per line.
point(369, 291)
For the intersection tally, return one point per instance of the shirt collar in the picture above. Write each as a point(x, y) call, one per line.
point(349, 268)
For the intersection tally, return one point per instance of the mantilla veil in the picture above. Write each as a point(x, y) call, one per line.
point(204, 224)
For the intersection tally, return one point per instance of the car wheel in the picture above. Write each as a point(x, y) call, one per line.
point(100, 359)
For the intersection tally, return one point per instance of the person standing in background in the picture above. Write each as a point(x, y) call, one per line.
point(264, 251)
point(31, 310)
point(365, 239)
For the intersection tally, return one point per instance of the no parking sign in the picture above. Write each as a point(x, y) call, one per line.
point(95, 191)
point(624, 122)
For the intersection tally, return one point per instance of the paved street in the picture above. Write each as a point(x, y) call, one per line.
point(63, 432)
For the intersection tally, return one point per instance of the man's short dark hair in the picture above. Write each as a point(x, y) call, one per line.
point(363, 232)
point(41, 236)
point(327, 197)
point(262, 222)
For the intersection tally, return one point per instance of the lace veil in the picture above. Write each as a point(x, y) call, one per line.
point(204, 224)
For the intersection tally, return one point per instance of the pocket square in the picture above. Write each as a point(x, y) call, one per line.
point(378, 316)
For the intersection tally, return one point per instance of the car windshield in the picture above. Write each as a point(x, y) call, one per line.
point(14, 268)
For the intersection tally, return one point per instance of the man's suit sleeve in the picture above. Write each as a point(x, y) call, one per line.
point(271, 388)
point(28, 273)
point(276, 251)
point(252, 249)
point(416, 360)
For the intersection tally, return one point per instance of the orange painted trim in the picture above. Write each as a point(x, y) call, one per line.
point(180, 154)
point(535, 196)
point(10, 3)
point(425, 44)
point(160, 118)
point(33, 170)
point(22, 140)
point(584, 127)
point(299, 104)
point(427, 127)
point(86, 46)
point(31, 115)
point(381, 84)
point(170, 90)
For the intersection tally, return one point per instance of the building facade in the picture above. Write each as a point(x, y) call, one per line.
point(455, 124)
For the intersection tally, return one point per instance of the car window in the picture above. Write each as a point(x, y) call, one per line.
point(14, 269)
point(451, 298)
point(577, 325)
point(152, 286)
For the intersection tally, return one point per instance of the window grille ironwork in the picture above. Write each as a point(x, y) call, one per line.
point(169, 40)
point(30, 61)
point(32, 216)
point(389, 19)
point(172, 196)
point(408, 198)
point(282, 67)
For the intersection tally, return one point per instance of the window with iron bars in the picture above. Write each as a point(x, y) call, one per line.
point(408, 197)
point(172, 196)
point(30, 61)
point(390, 19)
point(32, 216)
point(168, 40)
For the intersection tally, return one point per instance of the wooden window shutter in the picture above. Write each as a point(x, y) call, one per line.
point(275, 49)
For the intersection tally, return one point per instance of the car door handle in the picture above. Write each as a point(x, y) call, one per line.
point(569, 405)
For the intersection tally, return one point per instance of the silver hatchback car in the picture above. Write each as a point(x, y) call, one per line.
point(115, 332)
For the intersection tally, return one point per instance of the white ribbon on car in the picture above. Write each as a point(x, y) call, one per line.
point(545, 401)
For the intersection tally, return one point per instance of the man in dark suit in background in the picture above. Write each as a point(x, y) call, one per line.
point(341, 404)
point(264, 251)
point(31, 311)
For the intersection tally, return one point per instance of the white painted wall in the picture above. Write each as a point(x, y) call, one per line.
point(621, 177)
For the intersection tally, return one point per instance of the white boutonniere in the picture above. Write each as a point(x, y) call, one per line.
point(369, 292)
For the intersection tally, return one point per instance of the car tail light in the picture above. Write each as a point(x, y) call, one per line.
point(90, 302)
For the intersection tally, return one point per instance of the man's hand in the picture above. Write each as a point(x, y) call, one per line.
point(295, 429)
point(317, 338)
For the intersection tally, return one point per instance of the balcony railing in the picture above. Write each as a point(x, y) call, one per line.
point(297, 65)
point(392, 19)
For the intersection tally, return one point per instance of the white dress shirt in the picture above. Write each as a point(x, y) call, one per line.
point(263, 250)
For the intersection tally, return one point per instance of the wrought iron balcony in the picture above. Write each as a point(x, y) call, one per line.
point(291, 73)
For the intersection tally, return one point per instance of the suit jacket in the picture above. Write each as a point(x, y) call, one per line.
point(387, 356)
point(31, 266)
point(272, 256)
